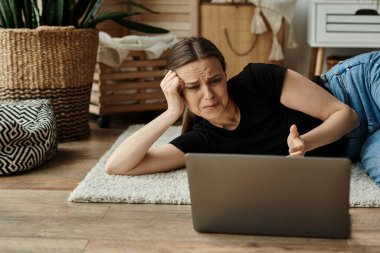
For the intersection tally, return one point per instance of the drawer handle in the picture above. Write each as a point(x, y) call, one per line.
point(233, 49)
point(367, 12)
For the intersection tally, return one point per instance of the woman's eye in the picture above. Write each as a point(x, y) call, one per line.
point(192, 87)
point(214, 81)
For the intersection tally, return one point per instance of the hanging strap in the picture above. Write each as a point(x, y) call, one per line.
point(233, 49)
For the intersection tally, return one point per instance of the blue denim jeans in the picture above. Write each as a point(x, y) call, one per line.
point(356, 82)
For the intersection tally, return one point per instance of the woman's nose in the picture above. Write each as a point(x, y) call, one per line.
point(208, 93)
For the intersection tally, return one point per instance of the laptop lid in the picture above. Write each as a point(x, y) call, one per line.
point(269, 195)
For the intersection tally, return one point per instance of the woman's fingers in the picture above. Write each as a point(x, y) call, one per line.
point(295, 143)
point(171, 79)
point(171, 87)
point(294, 131)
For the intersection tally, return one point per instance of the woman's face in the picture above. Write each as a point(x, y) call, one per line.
point(205, 87)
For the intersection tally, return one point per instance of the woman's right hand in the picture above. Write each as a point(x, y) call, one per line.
point(172, 87)
point(295, 143)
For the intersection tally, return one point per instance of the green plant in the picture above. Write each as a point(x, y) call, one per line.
point(77, 13)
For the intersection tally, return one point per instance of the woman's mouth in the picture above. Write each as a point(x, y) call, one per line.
point(211, 106)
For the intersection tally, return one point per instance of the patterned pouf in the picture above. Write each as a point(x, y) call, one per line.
point(28, 135)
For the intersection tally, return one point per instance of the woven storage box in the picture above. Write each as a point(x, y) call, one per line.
point(55, 63)
point(133, 86)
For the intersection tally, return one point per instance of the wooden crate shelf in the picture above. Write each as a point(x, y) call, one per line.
point(133, 86)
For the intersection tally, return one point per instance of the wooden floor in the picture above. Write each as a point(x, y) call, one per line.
point(36, 217)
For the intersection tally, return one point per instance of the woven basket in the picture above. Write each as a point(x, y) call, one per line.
point(55, 63)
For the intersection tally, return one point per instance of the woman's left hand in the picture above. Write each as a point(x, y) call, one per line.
point(295, 143)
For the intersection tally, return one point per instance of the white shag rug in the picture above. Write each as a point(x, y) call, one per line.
point(172, 187)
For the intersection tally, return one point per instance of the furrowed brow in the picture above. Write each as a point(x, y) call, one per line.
point(213, 76)
point(191, 83)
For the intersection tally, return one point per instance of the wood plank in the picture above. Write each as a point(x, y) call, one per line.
point(95, 109)
point(130, 75)
point(39, 245)
point(172, 8)
point(171, 26)
point(194, 18)
point(33, 196)
point(110, 109)
point(174, 17)
point(41, 182)
point(133, 63)
point(211, 247)
point(67, 207)
point(164, 2)
point(125, 86)
point(131, 97)
point(47, 212)
point(45, 216)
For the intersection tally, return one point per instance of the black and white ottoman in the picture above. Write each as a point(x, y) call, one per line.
point(28, 135)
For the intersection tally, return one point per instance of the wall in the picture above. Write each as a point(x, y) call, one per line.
point(298, 59)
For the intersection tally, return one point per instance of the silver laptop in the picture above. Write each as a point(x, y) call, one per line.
point(270, 195)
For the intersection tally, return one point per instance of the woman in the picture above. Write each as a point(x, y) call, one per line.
point(265, 109)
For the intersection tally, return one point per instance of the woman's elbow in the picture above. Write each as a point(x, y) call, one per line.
point(353, 118)
point(112, 169)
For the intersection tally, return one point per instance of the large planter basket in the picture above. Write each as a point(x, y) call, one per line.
point(55, 63)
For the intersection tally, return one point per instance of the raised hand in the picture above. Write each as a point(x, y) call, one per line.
point(172, 87)
point(295, 143)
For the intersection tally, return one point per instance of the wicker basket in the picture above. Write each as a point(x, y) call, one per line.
point(133, 86)
point(55, 63)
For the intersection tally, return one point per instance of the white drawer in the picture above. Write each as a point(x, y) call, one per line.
point(334, 23)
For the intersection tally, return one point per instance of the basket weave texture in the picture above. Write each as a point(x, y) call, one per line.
point(55, 63)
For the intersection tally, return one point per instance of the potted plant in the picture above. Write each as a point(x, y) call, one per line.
point(49, 49)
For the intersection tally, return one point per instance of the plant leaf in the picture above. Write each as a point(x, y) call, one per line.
point(15, 8)
point(27, 8)
point(6, 14)
point(69, 12)
point(35, 14)
point(108, 16)
point(48, 11)
point(79, 10)
point(1, 19)
point(59, 7)
point(91, 12)
point(137, 26)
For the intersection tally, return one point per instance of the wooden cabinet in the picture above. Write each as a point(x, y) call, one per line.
point(229, 27)
point(340, 23)
point(336, 24)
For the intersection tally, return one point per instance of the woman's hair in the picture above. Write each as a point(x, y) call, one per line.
point(189, 50)
point(193, 49)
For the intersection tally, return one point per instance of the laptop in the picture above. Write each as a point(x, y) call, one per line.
point(269, 195)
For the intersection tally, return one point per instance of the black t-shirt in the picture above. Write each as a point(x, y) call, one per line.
point(264, 122)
